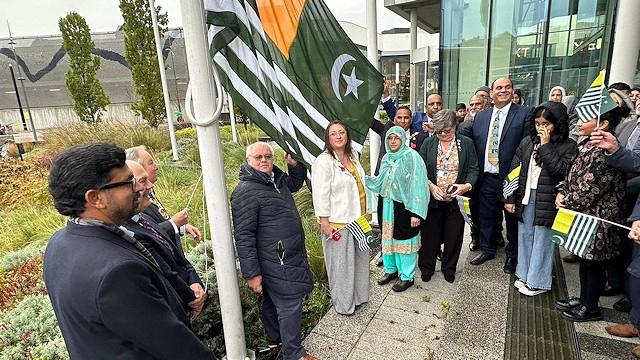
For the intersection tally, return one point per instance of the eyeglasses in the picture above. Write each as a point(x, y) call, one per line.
point(444, 132)
point(336, 133)
point(131, 182)
point(259, 157)
point(394, 138)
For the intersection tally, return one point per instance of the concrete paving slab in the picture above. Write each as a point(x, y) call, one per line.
point(392, 340)
point(327, 348)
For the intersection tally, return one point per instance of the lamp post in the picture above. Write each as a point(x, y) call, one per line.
point(24, 92)
point(175, 78)
point(15, 87)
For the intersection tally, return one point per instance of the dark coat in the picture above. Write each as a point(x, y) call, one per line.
point(515, 129)
point(268, 230)
point(555, 157)
point(415, 141)
point(467, 167)
point(111, 303)
point(180, 272)
point(154, 213)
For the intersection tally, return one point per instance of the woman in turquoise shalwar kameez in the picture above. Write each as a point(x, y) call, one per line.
point(402, 184)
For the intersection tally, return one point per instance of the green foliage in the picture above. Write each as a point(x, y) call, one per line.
point(140, 52)
point(29, 226)
point(22, 280)
point(30, 331)
point(316, 305)
point(22, 183)
point(85, 88)
point(121, 134)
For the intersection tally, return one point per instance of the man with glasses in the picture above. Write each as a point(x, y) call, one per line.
point(108, 293)
point(176, 225)
point(421, 122)
point(270, 242)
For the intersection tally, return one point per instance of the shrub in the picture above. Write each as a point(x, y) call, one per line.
point(21, 280)
point(23, 183)
point(30, 331)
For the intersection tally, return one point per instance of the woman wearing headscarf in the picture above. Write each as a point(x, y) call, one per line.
point(452, 170)
point(544, 158)
point(339, 198)
point(557, 93)
point(518, 98)
point(402, 185)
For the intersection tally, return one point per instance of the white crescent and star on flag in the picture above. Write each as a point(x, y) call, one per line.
point(352, 81)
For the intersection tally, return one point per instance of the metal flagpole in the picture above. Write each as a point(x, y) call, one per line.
point(163, 78)
point(24, 91)
point(200, 94)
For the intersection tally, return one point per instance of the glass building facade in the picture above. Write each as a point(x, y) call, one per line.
point(538, 44)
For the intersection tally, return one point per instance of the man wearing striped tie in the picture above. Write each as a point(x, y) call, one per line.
point(496, 133)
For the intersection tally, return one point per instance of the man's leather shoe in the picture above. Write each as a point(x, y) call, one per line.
point(308, 357)
point(623, 304)
point(622, 330)
point(473, 245)
point(571, 258)
point(386, 278)
point(402, 285)
point(481, 259)
point(581, 314)
point(611, 290)
point(568, 304)
point(450, 278)
point(510, 265)
point(425, 277)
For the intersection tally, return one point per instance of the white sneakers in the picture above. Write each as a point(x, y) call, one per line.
point(525, 289)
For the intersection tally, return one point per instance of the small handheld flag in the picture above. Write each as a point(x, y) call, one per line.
point(574, 231)
point(362, 232)
point(595, 101)
point(510, 184)
point(465, 209)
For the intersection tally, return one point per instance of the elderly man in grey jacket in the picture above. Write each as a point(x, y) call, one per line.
point(270, 242)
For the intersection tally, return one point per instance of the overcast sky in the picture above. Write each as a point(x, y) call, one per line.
point(40, 17)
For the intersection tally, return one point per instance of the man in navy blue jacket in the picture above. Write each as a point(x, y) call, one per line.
point(270, 242)
point(108, 293)
point(511, 123)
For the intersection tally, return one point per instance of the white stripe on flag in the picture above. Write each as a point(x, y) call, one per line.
point(258, 103)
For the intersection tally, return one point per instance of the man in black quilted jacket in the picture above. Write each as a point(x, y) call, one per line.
point(270, 243)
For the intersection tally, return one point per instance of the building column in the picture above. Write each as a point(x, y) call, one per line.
point(412, 66)
point(626, 45)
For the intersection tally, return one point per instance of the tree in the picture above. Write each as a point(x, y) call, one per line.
point(140, 52)
point(87, 92)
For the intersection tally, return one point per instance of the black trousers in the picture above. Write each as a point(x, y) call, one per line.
point(444, 224)
point(593, 278)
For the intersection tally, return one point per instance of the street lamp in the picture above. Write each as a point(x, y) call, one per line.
point(26, 100)
point(175, 78)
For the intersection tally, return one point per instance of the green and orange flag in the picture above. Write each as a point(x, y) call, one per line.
point(291, 68)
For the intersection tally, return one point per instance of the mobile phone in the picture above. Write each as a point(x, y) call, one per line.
point(451, 189)
point(336, 235)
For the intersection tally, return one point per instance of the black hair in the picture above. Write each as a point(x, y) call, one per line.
point(78, 169)
point(405, 107)
point(461, 106)
point(327, 147)
point(494, 81)
point(614, 117)
point(519, 93)
point(622, 86)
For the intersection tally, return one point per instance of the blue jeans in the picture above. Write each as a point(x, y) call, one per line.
point(535, 249)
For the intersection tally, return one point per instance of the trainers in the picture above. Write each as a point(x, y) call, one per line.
point(519, 284)
point(529, 291)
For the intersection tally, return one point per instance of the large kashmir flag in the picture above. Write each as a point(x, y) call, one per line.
point(291, 68)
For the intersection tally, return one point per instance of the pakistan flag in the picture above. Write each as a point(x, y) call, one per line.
point(291, 69)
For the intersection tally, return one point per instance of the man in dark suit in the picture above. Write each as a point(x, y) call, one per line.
point(108, 292)
point(496, 133)
point(421, 122)
point(176, 225)
point(179, 270)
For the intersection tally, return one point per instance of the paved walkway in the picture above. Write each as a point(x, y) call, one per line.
point(413, 324)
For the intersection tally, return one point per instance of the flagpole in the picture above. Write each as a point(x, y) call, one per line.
point(206, 98)
point(600, 102)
